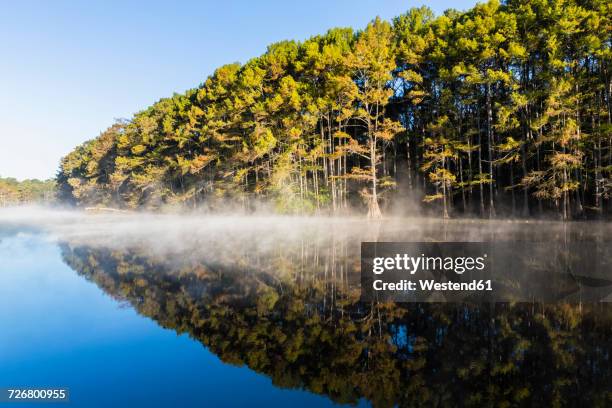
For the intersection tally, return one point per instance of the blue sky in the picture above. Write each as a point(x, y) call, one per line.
point(68, 69)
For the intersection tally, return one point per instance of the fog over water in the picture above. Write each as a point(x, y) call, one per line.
point(273, 242)
point(179, 231)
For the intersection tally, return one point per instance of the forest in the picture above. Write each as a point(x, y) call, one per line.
point(13, 192)
point(503, 110)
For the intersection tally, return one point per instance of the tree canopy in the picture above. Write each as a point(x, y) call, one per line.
point(504, 108)
point(13, 192)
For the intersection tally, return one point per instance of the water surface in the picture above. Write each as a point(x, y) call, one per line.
point(61, 330)
point(220, 311)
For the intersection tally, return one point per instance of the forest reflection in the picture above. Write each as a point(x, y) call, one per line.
point(292, 311)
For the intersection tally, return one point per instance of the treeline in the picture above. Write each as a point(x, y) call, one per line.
point(505, 108)
point(13, 192)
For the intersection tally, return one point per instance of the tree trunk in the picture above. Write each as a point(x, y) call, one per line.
point(374, 208)
point(490, 146)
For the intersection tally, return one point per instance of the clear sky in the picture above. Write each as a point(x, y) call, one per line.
point(68, 69)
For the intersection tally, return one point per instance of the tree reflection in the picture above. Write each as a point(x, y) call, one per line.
point(296, 317)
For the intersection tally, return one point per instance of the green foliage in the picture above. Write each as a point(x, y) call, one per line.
point(473, 108)
point(13, 192)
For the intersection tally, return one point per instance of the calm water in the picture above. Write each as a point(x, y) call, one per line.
point(61, 330)
point(241, 312)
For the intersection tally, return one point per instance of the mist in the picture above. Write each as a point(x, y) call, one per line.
point(165, 234)
point(286, 248)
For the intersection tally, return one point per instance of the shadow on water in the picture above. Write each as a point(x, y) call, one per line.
point(289, 307)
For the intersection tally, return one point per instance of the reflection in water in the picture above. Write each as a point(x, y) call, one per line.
point(288, 306)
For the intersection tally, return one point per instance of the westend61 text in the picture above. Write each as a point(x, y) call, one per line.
point(521, 271)
point(431, 285)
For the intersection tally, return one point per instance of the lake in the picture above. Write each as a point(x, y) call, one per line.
point(165, 310)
